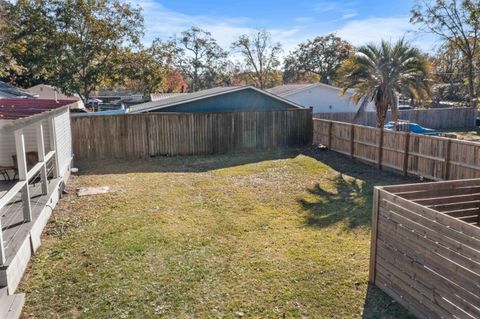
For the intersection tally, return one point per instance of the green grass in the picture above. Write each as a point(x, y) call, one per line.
point(266, 235)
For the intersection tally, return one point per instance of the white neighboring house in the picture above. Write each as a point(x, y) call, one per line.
point(321, 97)
point(49, 92)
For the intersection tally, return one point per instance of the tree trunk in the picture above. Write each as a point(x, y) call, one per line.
point(394, 115)
point(471, 83)
point(381, 110)
point(381, 106)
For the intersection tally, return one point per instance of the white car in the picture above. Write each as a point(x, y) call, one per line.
point(94, 101)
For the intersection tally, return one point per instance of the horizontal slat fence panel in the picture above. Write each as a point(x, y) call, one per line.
point(423, 257)
point(156, 134)
point(431, 157)
point(447, 118)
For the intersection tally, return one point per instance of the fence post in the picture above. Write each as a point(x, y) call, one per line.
point(405, 154)
point(330, 132)
point(447, 159)
point(380, 149)
point(352, 140)
point(373, 239)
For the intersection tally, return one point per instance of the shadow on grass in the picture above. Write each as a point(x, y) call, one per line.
point(348, 199)
point(357, 169)
point(350, 202)
point(203, 163)
point(379, 305)
point(181, 164)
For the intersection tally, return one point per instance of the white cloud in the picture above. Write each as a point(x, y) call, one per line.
point(360, 32)
point(304, 19)
point(164, 23)
point(329, 6)
point(349, 15)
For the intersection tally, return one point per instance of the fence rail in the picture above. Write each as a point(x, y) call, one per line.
point(156, 134)
point(435, 158)
point(448, 118)
point(425, 247)
point(18, 197)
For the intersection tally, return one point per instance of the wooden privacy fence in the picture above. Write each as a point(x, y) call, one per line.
point(425, 250)
point(156, 134)
point(432, 157)
point(449, 118)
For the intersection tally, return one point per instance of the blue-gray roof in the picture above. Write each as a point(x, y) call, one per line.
point(109, 112)
point(200, 95)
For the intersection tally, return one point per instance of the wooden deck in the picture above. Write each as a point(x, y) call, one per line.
point(22, 238)
point(4, 187)
point(24, 217)
point(11, 305)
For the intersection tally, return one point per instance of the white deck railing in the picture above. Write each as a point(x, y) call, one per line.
point(25, 175)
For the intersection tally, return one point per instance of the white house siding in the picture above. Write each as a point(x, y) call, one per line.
point(324, 100)
point(64, 141)
point(7, 142)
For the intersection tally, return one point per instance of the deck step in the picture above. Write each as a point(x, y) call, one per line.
point(11, 305)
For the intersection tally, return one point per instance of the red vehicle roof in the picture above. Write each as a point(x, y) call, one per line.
point(13, 109)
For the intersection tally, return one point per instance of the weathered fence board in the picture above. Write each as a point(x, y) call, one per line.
point(448, 118)
point(431, 157)
point(156, 134)
point(423, 256)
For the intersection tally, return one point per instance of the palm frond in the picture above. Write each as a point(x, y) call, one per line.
point(382, 72)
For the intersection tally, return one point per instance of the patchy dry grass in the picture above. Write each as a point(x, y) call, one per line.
point(467, 135)
point(282, 235)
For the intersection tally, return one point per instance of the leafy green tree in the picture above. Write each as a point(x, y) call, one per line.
point(32, 41)
point(73, 44)
point(321, 57)
point(202, 58)
point(230, 75)
point(450, 70)
point(380, 73)
point(261, 56)
point(149, 69)
point(457, 23)
point(292, 74)
point(7, 63)
point(91, 35)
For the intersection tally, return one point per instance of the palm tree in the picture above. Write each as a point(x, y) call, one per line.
point(380, 73)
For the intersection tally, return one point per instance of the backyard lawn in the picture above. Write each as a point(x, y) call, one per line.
point(467, 135)
point(265, 235)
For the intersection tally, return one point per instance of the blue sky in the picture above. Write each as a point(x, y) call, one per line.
point(290, 22)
